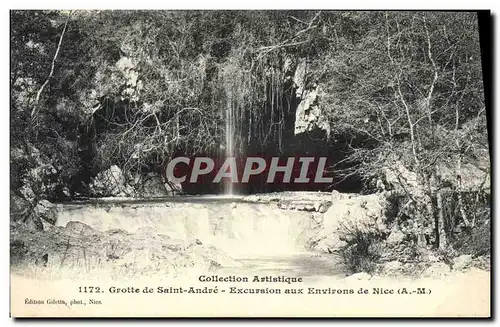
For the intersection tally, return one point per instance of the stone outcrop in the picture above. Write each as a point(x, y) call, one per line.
point(309, 115)
point(39, 215)
point(392, 268)
point(474, 171)
point(347, 212)
point(401, 179)
point(396, 236)
point(78, 249)
point(437, 269)
point(462, 262)
point(46, 211)
point(110, 182)
point(474, 174)
point(358, 276)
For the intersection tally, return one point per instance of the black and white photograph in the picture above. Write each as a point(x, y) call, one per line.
point(250, 163)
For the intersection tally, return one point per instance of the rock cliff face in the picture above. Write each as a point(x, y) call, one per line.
point(308, 115)
point(349, 212)
point(474, 174)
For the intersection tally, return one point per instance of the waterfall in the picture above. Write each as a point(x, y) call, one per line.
point(240, 229)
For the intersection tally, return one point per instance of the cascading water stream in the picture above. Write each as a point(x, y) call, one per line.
point(261, 237)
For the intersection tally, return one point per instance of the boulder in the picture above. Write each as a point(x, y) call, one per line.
point(396, 236)
point(326, 242)
point(399, 178)
point(432, 258)
point(110, 182)
point(392, 267)
point(428, 256)
point(41, 217)
point(322, 206)
point(462, 262)
point(215, 255)
point(80, 228)
point(437, 269)
point(336, 195)
point(153, 186)
point(128, 190)
point(359, 276)
point(46, 211)
point(33, 222)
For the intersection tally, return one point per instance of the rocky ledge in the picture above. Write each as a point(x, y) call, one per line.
point(77, 249)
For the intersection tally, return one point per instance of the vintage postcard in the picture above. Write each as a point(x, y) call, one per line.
point(250, 163)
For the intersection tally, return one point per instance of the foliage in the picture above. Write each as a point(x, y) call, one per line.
point(362, 249)
point(91, 89)
point(474, 239)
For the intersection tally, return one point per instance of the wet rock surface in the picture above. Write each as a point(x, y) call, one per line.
point(78, 249)
point(173, 238)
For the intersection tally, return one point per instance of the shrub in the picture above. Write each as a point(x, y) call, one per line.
point(475, 241)
point(363, 248)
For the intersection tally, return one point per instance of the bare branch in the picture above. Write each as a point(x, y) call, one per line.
point(38, 94)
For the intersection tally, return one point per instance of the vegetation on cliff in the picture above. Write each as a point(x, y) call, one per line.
point(396, 98)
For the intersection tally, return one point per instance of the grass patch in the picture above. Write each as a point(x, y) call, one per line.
point(362, 249)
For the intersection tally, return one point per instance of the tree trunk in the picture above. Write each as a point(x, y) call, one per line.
point(435, 217)
point(39, 93)
point(436, 211)
point(461, 207)
point(441, 226)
